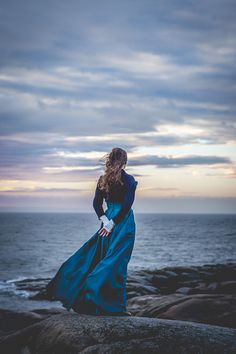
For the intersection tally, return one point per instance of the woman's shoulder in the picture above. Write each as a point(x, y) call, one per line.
point(99, 181)
point(100, 178)
point(129, 178)
point(126, 177)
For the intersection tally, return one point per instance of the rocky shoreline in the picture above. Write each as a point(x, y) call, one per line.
point(205, 294)
point(174, 310)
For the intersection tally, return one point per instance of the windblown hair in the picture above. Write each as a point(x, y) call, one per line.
point(114, 162)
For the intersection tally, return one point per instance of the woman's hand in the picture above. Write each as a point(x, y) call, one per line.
point(103, 232)
point(107, 228)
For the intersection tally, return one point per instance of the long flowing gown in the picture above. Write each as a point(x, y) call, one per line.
point(93, 279)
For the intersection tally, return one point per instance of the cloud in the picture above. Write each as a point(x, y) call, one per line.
point(77, 78)
point(77, 65)
point(170, 161)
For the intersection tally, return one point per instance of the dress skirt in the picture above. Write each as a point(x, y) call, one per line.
point(93, 279)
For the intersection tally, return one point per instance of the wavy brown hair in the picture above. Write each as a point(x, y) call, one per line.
point(114, 162)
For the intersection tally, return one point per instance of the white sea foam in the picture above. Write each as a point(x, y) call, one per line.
point(9, 286)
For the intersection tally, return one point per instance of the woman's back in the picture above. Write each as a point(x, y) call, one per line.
point(117, 191)
point(124, 194)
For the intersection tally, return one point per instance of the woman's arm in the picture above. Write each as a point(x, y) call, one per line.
point(131, 185)
point(98, 202)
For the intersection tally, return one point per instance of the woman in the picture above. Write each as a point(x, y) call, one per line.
point(93, 279)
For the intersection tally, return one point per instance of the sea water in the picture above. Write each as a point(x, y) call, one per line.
point(34, 245)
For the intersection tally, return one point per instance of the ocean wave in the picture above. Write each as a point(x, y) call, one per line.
point(22, 286)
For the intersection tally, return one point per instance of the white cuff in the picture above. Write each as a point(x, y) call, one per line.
point(109, 226)
point(104, 219)
point(111, 220)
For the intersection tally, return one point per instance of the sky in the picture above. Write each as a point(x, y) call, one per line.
point(156, 78)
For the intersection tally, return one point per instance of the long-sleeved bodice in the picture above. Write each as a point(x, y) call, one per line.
point(119, 194)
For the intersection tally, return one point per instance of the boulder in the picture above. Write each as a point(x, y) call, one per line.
point(216, 309)
point(74, 333)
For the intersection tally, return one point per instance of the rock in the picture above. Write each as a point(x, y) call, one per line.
point(165, 283)
point(170, 273)
point(49, 312)
point(205, 275)
point(153, 305)
point(73, 333)
point(187, 276)
point(183, 269)
point(228, 287)
point(11, 320)
point(213, 286)
point(140, 283)
point(153, 292)
point(211, 309)
point(139, 289)
point(162, 281)
point(201, 288)
point(225, 287)
point(184, 290)
point(217, 309)
point(159, 280)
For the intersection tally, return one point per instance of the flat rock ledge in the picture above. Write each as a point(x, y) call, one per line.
point(72, 333)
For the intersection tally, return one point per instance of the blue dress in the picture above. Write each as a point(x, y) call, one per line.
point(93, 279)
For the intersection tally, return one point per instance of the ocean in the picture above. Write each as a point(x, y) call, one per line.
point(34, 245)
